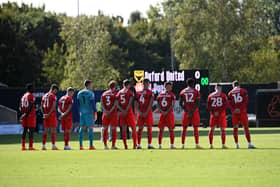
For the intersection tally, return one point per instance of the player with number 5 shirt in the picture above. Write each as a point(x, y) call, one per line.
point(217, 104)
point(165, 104)
point(110, 114)
point(238, 100)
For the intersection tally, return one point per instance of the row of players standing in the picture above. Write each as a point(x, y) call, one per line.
point(111, 101)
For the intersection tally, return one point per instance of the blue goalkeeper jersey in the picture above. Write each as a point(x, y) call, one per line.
point(86, 100)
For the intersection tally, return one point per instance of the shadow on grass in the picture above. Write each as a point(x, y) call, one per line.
point(15, 139)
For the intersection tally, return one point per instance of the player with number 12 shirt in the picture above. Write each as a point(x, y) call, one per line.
point(165, 104)
point(110, 114)
point(145, 99)
point(217, 104)
point(189, 101)
point(238, 100)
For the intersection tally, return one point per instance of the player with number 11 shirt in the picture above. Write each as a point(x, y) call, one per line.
point(110, 114)
point(217, 104)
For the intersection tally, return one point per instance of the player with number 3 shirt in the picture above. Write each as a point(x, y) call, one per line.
point(217, 104)
point(165, 104)
point(238, 100)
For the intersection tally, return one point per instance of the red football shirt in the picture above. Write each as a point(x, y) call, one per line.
point(165, 100)
point(238, 98)
point(26, 100)
point(123, 97)
point(108, 99)
point(48, 100)
point(189, 95)
point(64, 103)
point(144, 98)
point(217, 102)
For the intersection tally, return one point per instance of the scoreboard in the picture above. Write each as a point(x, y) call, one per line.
point(178, 78)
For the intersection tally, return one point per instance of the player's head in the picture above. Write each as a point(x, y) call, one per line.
point(168, 86)
point(126, 83)
point(112, 85)
point(88, 84)
point(70, 91)
point(146, 83)
point(29, 87)
point(218, 87)
point(190, 82)
point(235, 83)
point(54, 88)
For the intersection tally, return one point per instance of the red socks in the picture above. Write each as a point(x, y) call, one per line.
point(53, 138)
point(196, 135)
point(183, 135)
point(105, 136)
point(44, 138)
point(134, 137)
point(139, 135)
point(150, 135)
point(211, 135)
point(160, 135)
point(114, 136)
point(235, 135)
point(66, 138)
point(172, 136)
point(223, 136)
point(247, 134)
point(23, 142)
point(30, 142)
point(124, 137)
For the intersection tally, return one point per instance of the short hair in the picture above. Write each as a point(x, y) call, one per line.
point(87, 82)
point(167, 83)
point(235, 83)
point(190, 82)
point(126, 82)
point(112, 84)
point(29, 87)
point(70, 89)
point(54, 87)
point(146, 80)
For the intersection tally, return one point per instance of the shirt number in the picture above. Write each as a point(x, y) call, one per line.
point(237, 98)
point(46, 102)
point(217, 102)
point(142, 99)
point(122, 99)
point(189, 97)
point(164, 102)
point(108, 102)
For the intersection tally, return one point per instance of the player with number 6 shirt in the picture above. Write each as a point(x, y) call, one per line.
point(125, 99)
point(110, 114)
point(217, 104)
point(145, 99)
point(165, 104)
point(189, 101)
point(65, 109)
point(49, 116)
point(238, 101)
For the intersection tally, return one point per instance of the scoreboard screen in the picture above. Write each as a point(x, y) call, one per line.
point(178, 78)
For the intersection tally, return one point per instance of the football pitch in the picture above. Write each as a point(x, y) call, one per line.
point(188, 167)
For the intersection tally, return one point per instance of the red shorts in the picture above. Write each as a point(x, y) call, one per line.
point(241, 118)
point(220, 121)
point(167, 120)
point(66, 124)
point(111, 119)
point(148, 120)
point(50, 122)
point(127, 120)
point(194, 120)
point(29, 122)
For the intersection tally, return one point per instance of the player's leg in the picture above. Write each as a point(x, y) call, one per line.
point(161, 125)
point(235, 135)
point(105, 136)
point(81, 136)
point(67, 139)
point(23, 138)
point(31, 135)
point(44, 138)
point(90, 137)
point(114, 136)
point(196, 137)
point(185, 124)
point(223, 137)
point(124, 136)
point(211, 134)
point(134, 136)
point(245, 123)
point(172, 137)
point(53, 138)
point(139, 136)
point(150, 136)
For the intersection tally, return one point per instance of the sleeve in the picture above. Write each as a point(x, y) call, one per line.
point(230, 102)
point(226, 104)
point(93, 103)
point(31, 99)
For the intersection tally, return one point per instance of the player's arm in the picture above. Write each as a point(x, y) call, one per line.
point(113, 107)
point(196, 105)
point(160, 109)
point(31, 104)
point(103, 107)
point(67, 111)
point(149, 107)
point(171, 106)
point(129, 104)
point(51, 110)
point(181, 103)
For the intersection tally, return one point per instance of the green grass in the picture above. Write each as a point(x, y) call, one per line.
point(189, 167)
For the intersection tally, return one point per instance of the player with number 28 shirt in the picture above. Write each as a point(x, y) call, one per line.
point(217, 104)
